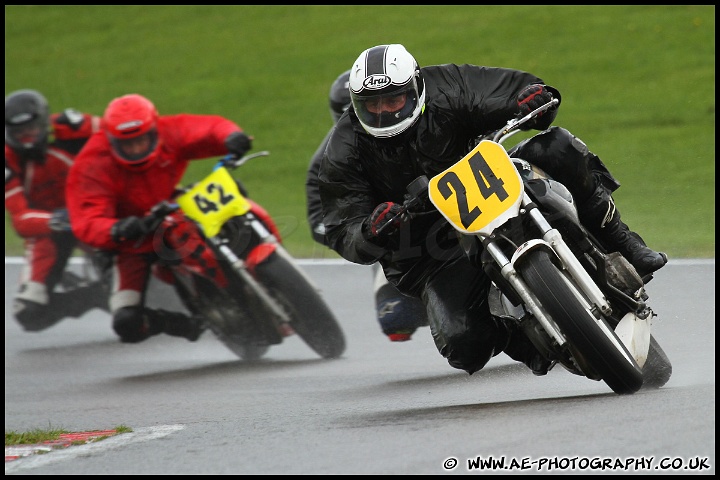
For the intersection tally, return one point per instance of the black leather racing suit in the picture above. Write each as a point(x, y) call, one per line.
point(359, 171)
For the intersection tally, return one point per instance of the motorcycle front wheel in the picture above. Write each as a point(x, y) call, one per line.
point(593, 338)
point(310, 316)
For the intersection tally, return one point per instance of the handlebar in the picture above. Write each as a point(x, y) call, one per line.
point(418, 188)
point(152, 220)
point(162, 209)
point(159, 211)
point(513, 125)
point(231, 161)
point(416, 196)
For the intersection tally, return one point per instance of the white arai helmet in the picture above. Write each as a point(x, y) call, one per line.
point(387, 90)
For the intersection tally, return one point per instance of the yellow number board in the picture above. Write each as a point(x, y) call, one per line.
point(212, 201)
point(480, 192)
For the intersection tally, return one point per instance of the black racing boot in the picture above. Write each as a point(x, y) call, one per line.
point(600, 216)
point(33, 316)
point(176, 324)
point(72, 303)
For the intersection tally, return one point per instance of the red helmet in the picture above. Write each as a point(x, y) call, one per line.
point(130, 124)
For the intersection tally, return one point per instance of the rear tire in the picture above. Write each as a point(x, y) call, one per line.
point(247, 352)
point(594, 338)
point(310, 316)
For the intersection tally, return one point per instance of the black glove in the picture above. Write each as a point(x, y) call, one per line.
point(533, 97)
point(128, 228)
point(60, 221)
point(238, 143)
point(387, 213)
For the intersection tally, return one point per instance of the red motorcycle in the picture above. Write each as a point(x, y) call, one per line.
point(259, 294)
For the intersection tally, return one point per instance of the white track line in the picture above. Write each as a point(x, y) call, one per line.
point(120, 440)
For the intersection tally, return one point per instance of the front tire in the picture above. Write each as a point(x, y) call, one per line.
point(310, 316)
point(592, 337)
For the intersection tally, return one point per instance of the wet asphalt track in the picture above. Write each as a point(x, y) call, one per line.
point(382, 408)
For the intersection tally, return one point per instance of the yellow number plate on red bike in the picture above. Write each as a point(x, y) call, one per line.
point(214, 200)
point(480, 192)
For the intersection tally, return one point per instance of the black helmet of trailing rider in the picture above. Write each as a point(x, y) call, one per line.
point(339, 97)
point(387, 90)
point(27, 123)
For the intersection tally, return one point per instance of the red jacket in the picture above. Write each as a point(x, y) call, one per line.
point(101, 190)
point(34, 189)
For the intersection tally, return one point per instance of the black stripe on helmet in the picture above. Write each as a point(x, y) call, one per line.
point(375, 61)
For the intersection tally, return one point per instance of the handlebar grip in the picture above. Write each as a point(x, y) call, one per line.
point(229, 161)
point(157, 213)
point(163, 208)
point(419, 187)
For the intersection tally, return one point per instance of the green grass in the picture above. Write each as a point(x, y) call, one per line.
point(638, 85)
point(32, 436)
point(50, 434)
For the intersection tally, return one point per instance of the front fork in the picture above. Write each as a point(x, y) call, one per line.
point(246, 268)
point(553, 242)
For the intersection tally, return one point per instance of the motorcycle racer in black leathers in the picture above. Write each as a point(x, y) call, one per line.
point(406, 121)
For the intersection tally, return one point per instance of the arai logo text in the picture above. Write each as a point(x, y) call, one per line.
point(376, 81)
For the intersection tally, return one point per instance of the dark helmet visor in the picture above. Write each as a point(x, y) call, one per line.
point(385, 110)
point(136, 148)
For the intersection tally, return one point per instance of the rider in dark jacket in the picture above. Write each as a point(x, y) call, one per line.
point(399, 315)
point(407, 121)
